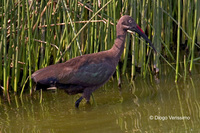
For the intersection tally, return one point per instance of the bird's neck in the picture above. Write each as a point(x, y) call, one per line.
point(118, 46)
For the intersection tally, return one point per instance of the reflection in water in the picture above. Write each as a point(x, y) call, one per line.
point(140, 106)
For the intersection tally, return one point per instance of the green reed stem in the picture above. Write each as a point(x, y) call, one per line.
point(17, 49)
point(13, 39)
point(49, 35)
point(23, 46)
point(92, 28)
point(143, 47)
point(5, 76)
point(167, 26)
point(157, 32)
point(185, 68)
point(133, 47)
point(189, 24)
point(23, 87)
point(198, 19)
point(1, 52)
point(183, 20)
point(194, 35)
point(107, 37)
point(178, 40)
point(126, 54)
point(95, 45)
point(29, 45)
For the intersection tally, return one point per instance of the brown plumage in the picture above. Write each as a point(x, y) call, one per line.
point(84, 74)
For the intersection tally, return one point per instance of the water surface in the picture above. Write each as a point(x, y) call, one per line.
point(140, 106)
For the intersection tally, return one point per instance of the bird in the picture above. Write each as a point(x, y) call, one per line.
point(84, 74)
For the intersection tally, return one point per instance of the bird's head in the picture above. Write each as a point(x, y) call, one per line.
point(126, 23)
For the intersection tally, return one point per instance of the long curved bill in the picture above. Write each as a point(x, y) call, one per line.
point(142, 34)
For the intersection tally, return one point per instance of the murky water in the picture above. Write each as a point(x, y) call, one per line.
point(140, 106)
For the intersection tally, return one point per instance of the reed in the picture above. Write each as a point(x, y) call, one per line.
point(178, 40)
point(198, 20)
point(157, 32)
point(194, 35)
point(133, 46)
point(29, 43)
point(4, 48)
point(35, 34)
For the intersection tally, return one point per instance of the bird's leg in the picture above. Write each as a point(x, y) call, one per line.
point(86, 94)
point(78, 102)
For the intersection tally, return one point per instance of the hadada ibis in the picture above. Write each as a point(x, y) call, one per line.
point(84, 74)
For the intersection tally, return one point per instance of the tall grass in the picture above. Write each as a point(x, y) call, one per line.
point(35, 34)
point(178, 40)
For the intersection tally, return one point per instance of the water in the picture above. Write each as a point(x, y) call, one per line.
point(140, 106)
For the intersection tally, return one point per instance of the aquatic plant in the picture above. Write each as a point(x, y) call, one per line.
point(35, 34)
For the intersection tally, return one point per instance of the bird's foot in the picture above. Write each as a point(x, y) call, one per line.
point(78, 102)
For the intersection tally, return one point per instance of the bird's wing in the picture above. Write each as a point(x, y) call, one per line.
point(91, 74)
point(82, 70)
point(48, 75)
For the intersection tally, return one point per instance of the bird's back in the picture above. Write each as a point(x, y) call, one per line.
point(80, 72)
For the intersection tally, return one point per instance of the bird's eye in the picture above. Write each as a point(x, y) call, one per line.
point(130, 21)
